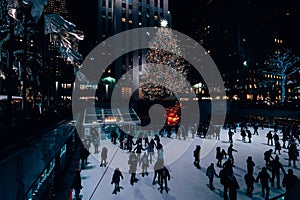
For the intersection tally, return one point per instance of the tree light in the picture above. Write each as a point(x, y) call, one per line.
point(163, 23)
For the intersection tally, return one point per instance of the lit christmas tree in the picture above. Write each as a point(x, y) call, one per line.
point(166, 70)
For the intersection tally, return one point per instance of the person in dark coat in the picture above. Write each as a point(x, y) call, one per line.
point(84, 154)
point(224, 154)
point(219, 157)
point(116, 180)
point(255, 129)
point(270, 138)
point(275, 137)
point(249, 135)
point(224, 180)
point(129, 143)
point(138, 150)
point(230, 134)
point(233, 187)
point(121, 139)
point(157, 166)
point(157, 138)
point(210, 173)
point(164, 178)
point(289, 180)
point(249, 180)
point(229, 152)
point(76, 184)
point(243, 134)
point(250, 165)
point(114, 136)
point(277, 147)
point(196, 154)
point(276, 166)
point(264, 178)
point(267, 157)
point(293, 153)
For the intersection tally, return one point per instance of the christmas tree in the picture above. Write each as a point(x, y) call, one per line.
point(164, 61)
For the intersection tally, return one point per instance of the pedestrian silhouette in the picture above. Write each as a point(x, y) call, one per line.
point(116, 180)
point(196, 154)
point(276, 166)
point(264, 178)
point(157, 166)
point(233, 187)
point(210, 173)
point(268, 157)
point(270, 138)
point(250, 165)
point(249, 180)
point(103, 157)
point(164, 178)
point(289, 181)
point(230, 150)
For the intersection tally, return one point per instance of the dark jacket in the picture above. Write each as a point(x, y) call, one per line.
point(264, 177)
point(249, 179)
point(164, 172)
point(77, 181)
point(116, 177)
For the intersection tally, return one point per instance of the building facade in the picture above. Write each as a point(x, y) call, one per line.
point(60, 75)
point(115, 16)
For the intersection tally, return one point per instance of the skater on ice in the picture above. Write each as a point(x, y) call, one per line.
point(116, 180)
point(196, 154)
point(210, 173)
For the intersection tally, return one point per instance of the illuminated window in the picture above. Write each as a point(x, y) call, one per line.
point(249, 96)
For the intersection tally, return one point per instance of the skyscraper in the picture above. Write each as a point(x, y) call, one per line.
point(115, 16)
point(59, 7)
point(60, 75)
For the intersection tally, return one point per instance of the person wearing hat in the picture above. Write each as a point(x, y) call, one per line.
point(116, 180)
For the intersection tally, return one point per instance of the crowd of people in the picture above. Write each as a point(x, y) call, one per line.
point(290, 133)
point(142, 149)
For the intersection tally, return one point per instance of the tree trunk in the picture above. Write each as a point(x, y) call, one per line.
point(283, 82)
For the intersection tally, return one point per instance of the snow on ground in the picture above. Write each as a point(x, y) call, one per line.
point(187, 182)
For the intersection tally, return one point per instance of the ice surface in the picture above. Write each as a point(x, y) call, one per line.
point(187, 182)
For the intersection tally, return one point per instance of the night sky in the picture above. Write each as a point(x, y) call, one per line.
point(261, 19)
point(275, 17)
